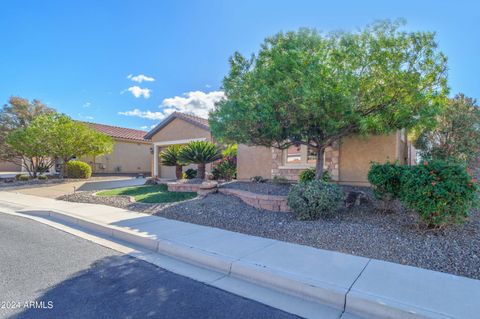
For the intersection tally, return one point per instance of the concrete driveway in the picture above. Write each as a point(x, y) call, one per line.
point(57, 190)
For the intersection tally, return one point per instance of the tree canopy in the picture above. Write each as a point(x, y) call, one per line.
point(53, 135)
point(310, 88)
point(17, 113)
point(457, 134)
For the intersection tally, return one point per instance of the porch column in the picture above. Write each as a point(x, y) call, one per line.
point(155, 160)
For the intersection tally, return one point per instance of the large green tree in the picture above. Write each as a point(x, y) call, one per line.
point(17, 113)
point(56, 136)
point(457, 134)
point(31, 144)
point(309, 88)
point(71, 138)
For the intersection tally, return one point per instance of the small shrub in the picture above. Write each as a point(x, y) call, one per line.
point(190, 173)
point(313, 199)
point(257, 179)
point(309, 175)
point(77, 169)
point(386, 182)
point(226, 169)
point(42, 177)
point(17, 177)
point(22, 177)
point(278, 179)
point(230, 151)
point(440, 192)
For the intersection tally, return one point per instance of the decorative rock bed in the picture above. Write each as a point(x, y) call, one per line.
point(263, 196)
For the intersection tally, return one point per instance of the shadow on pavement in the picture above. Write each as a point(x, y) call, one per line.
point(125, 287)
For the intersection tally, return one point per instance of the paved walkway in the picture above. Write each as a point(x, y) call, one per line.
point(57, 190)
point(340, 285)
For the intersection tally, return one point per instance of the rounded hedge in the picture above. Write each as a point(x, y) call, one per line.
point(77, 169)
point(440, 192)
point(313, 199)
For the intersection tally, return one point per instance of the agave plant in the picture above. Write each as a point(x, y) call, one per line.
point(200, 153)
point(170, 157)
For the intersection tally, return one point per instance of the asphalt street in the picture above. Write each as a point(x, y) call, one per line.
point(46, 273)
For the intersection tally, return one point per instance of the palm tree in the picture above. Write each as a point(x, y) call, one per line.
point(200, 153)
point(170, 157)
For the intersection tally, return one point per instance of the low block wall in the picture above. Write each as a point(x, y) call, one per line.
point(181, 187)
point(268, 202)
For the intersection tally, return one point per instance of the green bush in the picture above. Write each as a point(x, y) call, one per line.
point(230, 151)
point(22, 177)
point(190, 174)
point(77, 169)
point(440, 192)
point(226, 169)
point(313, 199)
point(309, 175)
point(42, 177)
point(386, 181)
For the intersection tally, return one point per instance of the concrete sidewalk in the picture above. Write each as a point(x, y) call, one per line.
point(302, 280)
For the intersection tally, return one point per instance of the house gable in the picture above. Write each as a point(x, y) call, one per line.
point(179, 129)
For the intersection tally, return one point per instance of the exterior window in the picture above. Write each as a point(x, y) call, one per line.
point(294, 155)
point(300, 156)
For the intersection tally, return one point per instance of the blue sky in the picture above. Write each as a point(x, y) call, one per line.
point(77, 55)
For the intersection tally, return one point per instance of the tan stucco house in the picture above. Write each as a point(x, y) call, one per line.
point(177, 128)
point(130, 155)
point(348, 161)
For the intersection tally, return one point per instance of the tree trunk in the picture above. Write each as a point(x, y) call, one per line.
point(201, 171)
point(64, 168)
point(319, 165)
point(178, 171)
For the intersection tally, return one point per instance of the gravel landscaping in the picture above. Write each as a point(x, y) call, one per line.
point(360, 230)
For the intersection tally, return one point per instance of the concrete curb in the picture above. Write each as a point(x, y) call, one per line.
point(290, 283)
point(345, 285)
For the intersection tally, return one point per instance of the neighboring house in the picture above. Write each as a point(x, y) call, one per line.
point(130, 155)
point(348, 161)
point(7, 166)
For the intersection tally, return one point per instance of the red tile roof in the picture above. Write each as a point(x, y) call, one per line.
point(119, 132)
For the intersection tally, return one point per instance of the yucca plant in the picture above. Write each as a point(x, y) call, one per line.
point(200, 153)
point(170, 157)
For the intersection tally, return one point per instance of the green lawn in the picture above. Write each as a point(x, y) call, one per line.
point(149, 194)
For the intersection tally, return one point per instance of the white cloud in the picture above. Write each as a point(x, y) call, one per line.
point(196, 102)
point(88, 117)
point(138, 91)
point(87, 104)
point(147, 127)
point(144, 114)
point(140, 78)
